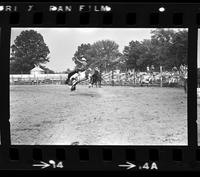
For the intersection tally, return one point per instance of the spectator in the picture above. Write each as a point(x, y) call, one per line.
point(148, 69)
point(181, 67)
point(152, 69)
point(174, 69)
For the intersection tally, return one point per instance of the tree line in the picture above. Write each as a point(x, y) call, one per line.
point(28, 50)
point(166, 48)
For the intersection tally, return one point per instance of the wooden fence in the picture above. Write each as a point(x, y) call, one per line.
point(114, 78)
point(160, 79)
point(29, 79)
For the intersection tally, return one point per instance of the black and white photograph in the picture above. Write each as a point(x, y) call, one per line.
point(99, 86)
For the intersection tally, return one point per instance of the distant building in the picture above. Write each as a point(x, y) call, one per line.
point(36, 70)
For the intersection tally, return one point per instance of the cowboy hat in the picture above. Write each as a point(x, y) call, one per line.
point(83, 59)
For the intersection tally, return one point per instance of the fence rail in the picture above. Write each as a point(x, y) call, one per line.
point(114, 78)
point(28, 79)
point(161, 79)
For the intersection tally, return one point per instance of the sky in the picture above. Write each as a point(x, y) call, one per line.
point(63, 42)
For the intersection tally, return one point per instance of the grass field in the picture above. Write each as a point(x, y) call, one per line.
point(53, 115)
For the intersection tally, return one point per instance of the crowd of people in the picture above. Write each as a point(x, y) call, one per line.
point(150, 76)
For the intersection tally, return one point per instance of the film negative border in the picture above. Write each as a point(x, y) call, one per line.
point(131, 15)
point(101, 158)
point(126, 15)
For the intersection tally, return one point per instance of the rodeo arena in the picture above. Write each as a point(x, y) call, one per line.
point(125, 108)
point(173, 78)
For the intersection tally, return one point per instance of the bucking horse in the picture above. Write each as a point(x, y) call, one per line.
point(93, 77)
point(96, 79)
point(79, 77)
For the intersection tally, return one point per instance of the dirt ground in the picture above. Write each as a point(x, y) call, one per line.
point(53, 115)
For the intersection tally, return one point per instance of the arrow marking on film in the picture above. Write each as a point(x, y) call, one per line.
point(43, 165)
point(129, 165)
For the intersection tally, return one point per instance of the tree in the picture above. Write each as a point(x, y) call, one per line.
point(162, 40)
point(171, 47)
point(147, 55)
point(28, 50)
point(103, 54)
point(47, 70)
point(179, 48)
point(132, 53)
point(166, 48)
point(82, 51)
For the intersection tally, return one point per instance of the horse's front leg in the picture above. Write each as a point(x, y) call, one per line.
point(100, 84)
point(90, 83)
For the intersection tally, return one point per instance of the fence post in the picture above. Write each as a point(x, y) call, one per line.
point(161, 84)
point(126, 78)
point(134, 76)
point(112, 77)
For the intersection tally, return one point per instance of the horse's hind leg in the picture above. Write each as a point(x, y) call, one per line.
point(73, 88)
